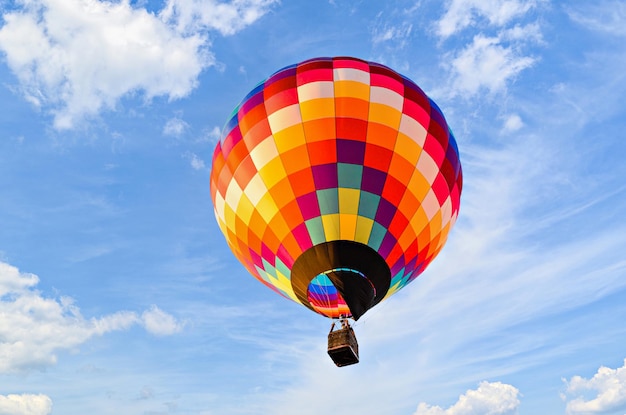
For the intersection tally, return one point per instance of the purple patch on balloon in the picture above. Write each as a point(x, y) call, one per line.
point(325, 176)
point(373, 180)
point(387, 245)
point(385, 212)
point(350, 151)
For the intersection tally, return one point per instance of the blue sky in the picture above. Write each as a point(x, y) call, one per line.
point(118, 293)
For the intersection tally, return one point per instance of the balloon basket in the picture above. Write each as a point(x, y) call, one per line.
point(343, 348)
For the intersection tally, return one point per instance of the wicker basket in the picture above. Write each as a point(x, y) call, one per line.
point(343, 347)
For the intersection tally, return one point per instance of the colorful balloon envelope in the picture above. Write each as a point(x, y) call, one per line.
point(336, 182)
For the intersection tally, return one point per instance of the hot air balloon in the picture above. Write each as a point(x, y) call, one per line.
point(336, 182)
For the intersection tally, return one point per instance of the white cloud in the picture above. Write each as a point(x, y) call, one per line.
point(398, 33)
point(530, 33)
point(25, 404)
point(175, 127)
point(212, 136)
point(609, 387)
point(512, 122)
point(12, 281)
point(463, 13)
point(196, 162)
point(491, 60)
point(160, 323)
point(34, 328)
point(75, 58)
point(190, 16)
point(486, 64)
point(493, 398)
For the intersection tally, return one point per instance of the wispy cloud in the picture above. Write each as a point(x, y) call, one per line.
point(396, 34)
point(605, 17)
point(195, 161)
point(497, 52)
point(461, 14)
point(160, 323)
point(512, 122)
point(209, 137)
point(175, 127)
point(34, 328)
point(191, 16)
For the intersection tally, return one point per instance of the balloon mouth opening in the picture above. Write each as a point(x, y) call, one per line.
point(324, 296)
point(340, 278)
